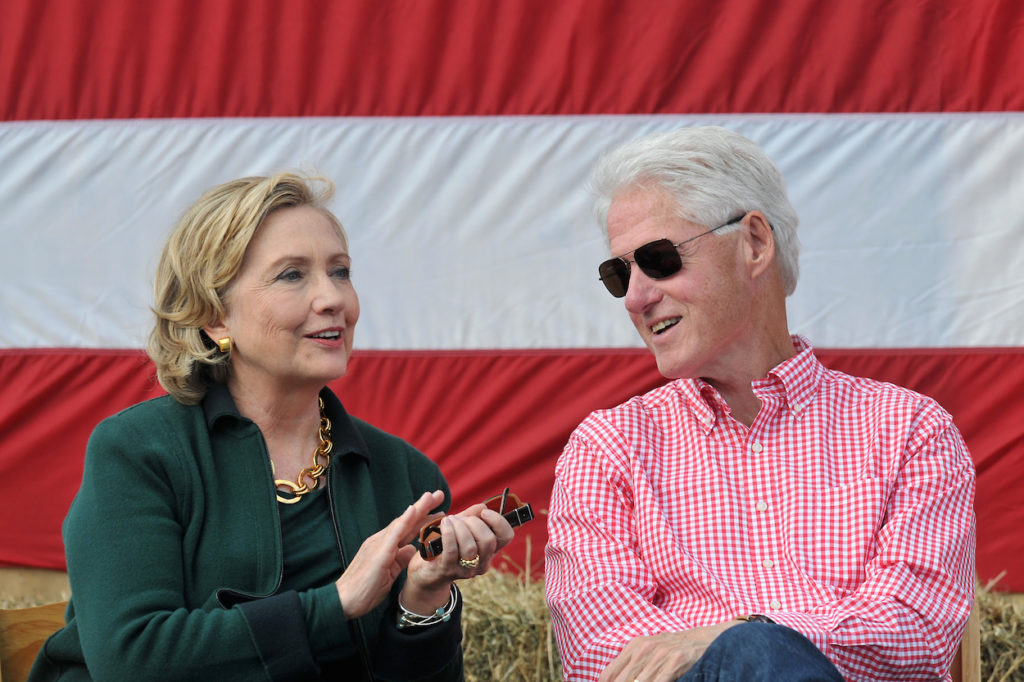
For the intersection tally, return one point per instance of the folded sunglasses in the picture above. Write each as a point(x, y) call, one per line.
point(508, 504)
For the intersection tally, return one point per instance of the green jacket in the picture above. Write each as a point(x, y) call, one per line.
point(175, 555)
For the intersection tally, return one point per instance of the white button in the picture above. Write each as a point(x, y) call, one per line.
point(797, 407)
point(767, 563)
point(775, 604)
point(761, 506)
point(756, 447)
point(709, 420)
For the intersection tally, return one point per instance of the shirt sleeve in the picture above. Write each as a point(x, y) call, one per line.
point(428, 654)
point(123, 542)
point(905, 619)
point(598, 589)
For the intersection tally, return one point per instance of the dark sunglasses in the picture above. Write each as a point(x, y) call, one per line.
point(515, 511)
point(658, 259)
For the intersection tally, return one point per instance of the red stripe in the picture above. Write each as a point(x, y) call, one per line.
point(116, 59)
point(480, 417)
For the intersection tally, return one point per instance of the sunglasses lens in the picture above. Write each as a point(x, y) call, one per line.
point(432, 528)
point(615, 275)
point(430, 540)
point(658, 259)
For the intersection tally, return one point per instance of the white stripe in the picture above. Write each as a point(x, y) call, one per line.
point(477, 233)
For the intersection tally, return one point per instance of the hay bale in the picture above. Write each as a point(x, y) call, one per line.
point(23, 587)
point(1002, 636)
point(507, 632)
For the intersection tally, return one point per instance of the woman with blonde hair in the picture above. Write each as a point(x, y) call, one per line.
point(245, 527)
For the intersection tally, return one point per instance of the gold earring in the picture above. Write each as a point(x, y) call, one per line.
point(224, 344)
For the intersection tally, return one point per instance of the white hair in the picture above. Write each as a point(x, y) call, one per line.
point(713, 174)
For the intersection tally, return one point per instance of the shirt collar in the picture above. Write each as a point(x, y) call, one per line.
point(796, 378)
point(704, 398)
point(219, 405)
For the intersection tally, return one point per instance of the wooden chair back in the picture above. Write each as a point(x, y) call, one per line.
point(22, 633)
point(967, 662)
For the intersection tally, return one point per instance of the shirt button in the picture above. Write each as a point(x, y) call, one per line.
point(797, 407)
point(767, 563)
point(756, 447)
point(761, 506)
point(775, 604)
point(709, 420)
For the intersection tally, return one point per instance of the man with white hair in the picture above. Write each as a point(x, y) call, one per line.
point(759, 517)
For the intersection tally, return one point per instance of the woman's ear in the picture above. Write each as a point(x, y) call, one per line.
point(216, 331)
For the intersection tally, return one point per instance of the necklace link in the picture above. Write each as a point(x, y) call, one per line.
point(298, 487)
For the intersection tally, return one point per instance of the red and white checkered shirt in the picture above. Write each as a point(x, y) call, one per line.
point(845, 512)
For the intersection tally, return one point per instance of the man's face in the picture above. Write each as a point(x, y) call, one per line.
point(696, 322)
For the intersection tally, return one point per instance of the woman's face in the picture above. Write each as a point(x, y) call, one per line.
point(291, 309)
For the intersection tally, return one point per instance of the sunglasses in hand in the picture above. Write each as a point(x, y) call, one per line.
point(508, 504)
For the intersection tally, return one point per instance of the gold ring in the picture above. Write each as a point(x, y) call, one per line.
point(469, 563)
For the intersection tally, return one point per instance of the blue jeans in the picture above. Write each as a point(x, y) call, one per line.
point(762, 652)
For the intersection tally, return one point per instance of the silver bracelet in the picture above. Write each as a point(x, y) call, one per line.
point(408, 619)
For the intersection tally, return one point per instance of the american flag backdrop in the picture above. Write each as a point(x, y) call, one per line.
point(460, 134)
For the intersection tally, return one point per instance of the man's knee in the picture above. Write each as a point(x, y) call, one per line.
point(768, 635)
point(768, 651)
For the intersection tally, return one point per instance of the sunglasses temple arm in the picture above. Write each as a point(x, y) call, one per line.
point(520, 515)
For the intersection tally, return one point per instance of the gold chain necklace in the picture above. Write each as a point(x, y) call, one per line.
point(314, 472)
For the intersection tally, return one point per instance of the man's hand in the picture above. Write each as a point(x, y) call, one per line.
point(662, 657)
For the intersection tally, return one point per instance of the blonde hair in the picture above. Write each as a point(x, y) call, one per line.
point(198, 264)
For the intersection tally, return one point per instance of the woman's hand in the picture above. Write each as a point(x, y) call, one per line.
point(474, 536)
point(383, 556)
